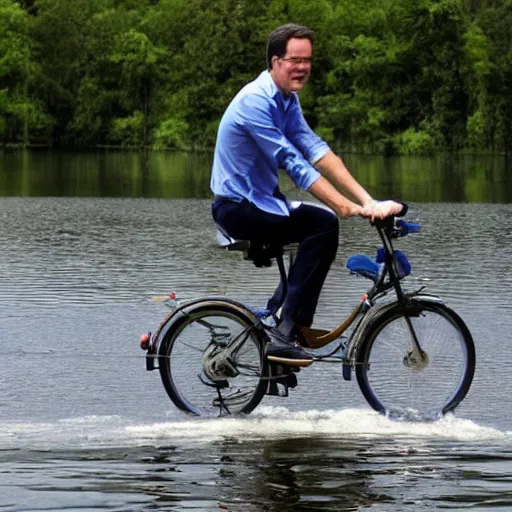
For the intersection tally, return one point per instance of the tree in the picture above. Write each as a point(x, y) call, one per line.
point(65, 59)
point(22, 114)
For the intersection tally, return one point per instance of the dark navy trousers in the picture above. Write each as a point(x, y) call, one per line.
point(314, 228)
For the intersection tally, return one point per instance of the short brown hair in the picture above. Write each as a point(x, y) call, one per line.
point(279, 37)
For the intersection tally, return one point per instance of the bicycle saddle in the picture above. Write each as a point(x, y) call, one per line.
point(229, 243)
point(260, 253)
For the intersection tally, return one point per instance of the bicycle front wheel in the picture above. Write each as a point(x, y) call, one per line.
point(398, 380)
point(197, 372)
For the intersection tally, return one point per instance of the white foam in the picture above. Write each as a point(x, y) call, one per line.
point(266, 423)
point(278, 422)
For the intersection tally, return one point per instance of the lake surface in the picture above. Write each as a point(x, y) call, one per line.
point(88, 240)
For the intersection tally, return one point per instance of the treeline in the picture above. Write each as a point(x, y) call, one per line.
point(414, 76)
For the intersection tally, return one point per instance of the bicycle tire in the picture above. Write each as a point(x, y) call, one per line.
point(180, 360)
point(388, 380)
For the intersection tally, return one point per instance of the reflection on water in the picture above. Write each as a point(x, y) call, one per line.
point(445, 178)
point(104, 174)
point(350, 460)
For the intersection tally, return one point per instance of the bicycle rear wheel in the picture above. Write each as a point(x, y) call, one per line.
point(395, 383)
point(196, 377)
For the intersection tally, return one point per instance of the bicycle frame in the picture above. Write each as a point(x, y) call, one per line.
point(388, 278)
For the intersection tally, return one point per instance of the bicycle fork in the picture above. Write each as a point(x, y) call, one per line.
point(417, 358)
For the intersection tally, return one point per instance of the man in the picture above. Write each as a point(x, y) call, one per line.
point(263, 130)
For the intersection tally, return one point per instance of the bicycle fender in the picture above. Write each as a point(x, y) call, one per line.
point(428, 298)
point(183, 309)
point(411, 300)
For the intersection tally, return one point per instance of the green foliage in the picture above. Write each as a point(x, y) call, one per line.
point(409, 77)
point(413, 142)
point(171, 134)
point(128, 131)
point(477, 131)
point(23, 115)
point(325, 133)
point(477, 50)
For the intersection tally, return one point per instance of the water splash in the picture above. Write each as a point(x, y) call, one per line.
point(267, 423)
point(278, 422)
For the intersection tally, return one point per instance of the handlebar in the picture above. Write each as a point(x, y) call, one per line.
point(405, 209)
point(396, 228)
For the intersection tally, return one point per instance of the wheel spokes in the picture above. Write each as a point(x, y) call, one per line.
point(400, 379)
point(209, 346)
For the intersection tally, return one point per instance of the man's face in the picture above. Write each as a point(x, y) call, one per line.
point(291, 72)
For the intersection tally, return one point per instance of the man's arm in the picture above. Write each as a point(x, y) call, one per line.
point(332, 167)
point(325, 192)
point(334, 176)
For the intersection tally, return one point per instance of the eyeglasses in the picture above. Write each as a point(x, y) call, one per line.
point(295, 61)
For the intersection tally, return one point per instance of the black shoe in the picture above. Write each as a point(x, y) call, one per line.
point(285, 350)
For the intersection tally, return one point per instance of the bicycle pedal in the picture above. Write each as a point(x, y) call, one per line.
point(272, 389)
point(277, 388)
point(282, 378)
point(290, 381)
point(287, 381)
point(287, 375)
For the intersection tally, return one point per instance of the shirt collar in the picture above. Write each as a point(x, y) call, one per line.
point(274, 91)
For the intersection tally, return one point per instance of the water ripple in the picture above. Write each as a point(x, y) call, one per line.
point(85, 426)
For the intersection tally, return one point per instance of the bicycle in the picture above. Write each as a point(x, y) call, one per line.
point(413, 356)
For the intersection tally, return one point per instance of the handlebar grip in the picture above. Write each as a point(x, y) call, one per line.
point(405, 208)
point(389, 221)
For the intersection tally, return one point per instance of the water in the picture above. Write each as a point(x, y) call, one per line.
point(83, 425)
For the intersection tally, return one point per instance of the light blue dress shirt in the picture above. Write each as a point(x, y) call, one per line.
point(260, 133)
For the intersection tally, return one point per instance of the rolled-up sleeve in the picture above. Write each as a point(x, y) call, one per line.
point(256, 118)
point(304, 138)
